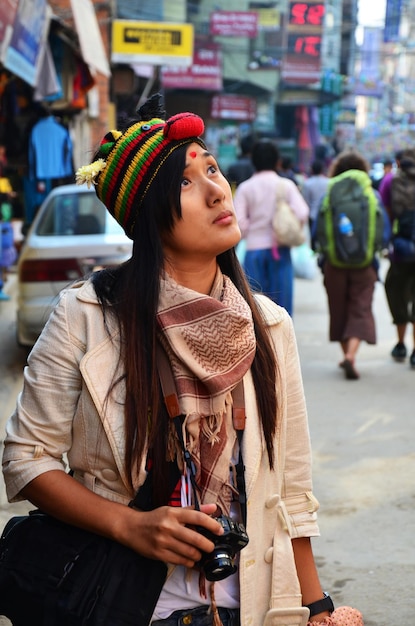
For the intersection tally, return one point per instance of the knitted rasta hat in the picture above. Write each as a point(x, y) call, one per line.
point(128, 162)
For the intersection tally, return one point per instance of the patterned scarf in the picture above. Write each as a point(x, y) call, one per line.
point(210, 343)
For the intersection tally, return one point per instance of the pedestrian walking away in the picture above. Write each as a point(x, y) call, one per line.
point(285, 169)
point(386, 182)
point(268, 265)
point(400, 278)
point(242, 168)
point(351, 227)
point(313, 190)
point(230, 503)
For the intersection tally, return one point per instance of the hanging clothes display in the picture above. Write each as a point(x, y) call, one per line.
point(50, 150)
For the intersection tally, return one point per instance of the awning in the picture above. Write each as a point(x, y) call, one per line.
point(25, 50)
point(92, 46)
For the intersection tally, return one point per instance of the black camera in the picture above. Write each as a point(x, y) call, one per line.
point(219, 563)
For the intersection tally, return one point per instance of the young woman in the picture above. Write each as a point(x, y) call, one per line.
point(92, 391)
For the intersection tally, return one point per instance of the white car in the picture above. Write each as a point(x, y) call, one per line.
point(71, 235)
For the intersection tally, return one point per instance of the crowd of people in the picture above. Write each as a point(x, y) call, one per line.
point(349, 286)
point(255, 178)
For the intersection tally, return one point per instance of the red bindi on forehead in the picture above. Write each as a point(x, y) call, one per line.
point(193, 154)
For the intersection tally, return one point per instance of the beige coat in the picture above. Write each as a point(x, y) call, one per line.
point(66, 380)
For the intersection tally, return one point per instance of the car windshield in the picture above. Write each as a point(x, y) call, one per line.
point(76, 214)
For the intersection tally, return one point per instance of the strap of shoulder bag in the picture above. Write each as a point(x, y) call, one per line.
point(281, 188)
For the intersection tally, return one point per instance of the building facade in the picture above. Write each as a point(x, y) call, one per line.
point(269, 68)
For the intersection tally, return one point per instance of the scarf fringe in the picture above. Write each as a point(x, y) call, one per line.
point(215, 613)
point(211, 426)
point(202, 585)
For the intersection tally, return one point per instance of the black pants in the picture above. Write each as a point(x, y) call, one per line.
point(400, 292)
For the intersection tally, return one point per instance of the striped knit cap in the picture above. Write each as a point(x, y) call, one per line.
point(128, 162)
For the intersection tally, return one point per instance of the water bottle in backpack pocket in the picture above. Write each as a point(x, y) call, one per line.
point(348, 238)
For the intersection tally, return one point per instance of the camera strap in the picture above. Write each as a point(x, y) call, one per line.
point(171, 401)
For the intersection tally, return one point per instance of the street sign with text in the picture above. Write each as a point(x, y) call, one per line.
point(159, 43)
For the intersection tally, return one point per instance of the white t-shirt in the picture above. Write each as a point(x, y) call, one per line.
point(181, 589)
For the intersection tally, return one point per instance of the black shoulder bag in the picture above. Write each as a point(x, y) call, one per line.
point(54, 573)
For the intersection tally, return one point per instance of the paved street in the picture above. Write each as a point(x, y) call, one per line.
point(364, 463)
point(364, 458)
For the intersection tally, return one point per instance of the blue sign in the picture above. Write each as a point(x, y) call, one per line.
point(28, 36)
point(392, 21)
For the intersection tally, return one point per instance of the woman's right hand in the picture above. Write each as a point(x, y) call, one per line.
point(168, 533)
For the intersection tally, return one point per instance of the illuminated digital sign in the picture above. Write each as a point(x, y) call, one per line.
point(306, 14)
point(301, 63)
point(304, 44)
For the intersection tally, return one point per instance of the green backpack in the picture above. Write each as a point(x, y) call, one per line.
point(349, 227)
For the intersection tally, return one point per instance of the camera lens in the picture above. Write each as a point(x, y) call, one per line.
point(218, 565)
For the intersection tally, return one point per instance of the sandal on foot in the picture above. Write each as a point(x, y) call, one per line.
point(349, 370)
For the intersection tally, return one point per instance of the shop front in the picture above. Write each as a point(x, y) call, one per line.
point(45, 102)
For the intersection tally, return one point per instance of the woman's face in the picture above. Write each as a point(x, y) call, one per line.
point(208, 225)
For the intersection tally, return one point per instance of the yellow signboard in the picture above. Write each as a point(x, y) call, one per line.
point(159, 43)
point(268, 18)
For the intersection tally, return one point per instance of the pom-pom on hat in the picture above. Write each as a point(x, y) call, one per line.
point(127, 163)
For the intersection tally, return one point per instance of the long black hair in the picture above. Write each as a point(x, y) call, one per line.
point(131, 292)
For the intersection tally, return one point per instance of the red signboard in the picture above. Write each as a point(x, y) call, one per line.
point(233, 107)
point(204, 73)
point(234, 23)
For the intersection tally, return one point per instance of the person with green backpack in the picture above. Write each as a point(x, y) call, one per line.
point(352, 226)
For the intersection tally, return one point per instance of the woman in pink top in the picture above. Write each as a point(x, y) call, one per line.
point(267, 265)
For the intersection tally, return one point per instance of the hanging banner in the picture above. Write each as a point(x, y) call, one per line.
point(28, 37)
point(392, 21)
point(205, 71)
point(159, 43)
point(302, 61)
point(368, 81)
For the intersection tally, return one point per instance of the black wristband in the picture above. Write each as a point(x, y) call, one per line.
point(325, 604)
